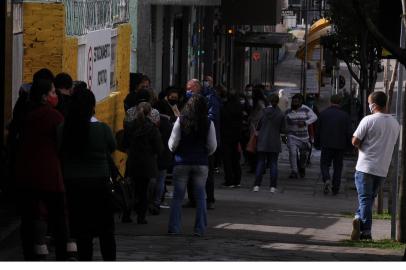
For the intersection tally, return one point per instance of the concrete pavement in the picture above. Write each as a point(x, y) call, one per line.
point(292, 225)
point(297, 224)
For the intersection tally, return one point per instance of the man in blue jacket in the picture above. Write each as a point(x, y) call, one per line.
point(214, 105)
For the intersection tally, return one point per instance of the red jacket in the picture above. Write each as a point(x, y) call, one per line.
point(38, 167)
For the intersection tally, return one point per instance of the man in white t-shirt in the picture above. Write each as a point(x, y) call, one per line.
point(375, 139)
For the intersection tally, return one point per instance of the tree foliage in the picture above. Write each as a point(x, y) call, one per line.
point(352, 43)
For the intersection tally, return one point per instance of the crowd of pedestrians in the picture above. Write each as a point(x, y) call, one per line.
point(62, 155)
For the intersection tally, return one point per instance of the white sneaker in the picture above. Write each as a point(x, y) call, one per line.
point(273, 190)
point(255, 189)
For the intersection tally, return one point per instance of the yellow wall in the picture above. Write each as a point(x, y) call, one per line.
point(70, 57)
point(45, 45)
point(44, 33)
point(111, 109)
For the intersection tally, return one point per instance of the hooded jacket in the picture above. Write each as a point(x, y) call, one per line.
point(270, 127)
point(144, 144)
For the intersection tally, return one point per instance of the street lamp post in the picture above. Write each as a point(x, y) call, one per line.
point(305, 49)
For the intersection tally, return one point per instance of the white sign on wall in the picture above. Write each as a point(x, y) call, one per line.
point(98, 62)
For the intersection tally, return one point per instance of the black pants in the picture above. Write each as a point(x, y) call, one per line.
point(209, 185)
point(141, 196)
point(336, 156)
point(91, 215)
point(232, 168)
point(37, 210)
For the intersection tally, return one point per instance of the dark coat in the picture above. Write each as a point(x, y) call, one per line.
point(38, 167)
point(270, 127)
point(334, 129)
point(231, 121)
point(165, 108)
point(144, 144)
point(165, 159)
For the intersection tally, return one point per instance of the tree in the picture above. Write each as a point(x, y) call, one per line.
point(367, 18)
point(353, 44)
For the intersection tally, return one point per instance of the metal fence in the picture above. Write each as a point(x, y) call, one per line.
point(83, 16)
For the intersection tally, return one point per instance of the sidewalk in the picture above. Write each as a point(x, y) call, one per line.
point(253, 226)
point(299, 223)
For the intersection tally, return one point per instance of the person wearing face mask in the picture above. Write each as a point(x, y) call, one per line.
point(39, 177)
point(375, 139)
point(168, 105)
point(298, 118)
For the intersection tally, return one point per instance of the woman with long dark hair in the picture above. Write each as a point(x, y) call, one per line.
point(192, 140)
point(144, 144)
point(38, 174)
point(86, 146)
point(259, 103)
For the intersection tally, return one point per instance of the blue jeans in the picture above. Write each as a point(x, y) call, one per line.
point(181, 175)
point(262, 158)
point(159, 187)
point(367, 188)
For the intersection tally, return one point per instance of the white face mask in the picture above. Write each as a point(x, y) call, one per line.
point(371, 107)
point(206, 84)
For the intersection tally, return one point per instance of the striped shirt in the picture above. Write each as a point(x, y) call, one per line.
point(295, 117)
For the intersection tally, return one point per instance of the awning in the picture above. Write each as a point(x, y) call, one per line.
point(319, 29)
point(262, 39)
point(186, 2)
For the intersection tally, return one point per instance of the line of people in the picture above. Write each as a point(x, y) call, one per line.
point(60, 163)
point(61, 154)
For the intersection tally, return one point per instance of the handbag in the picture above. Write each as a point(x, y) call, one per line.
point(252, 143)
point(122, 190)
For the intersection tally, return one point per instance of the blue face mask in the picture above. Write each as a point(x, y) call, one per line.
point(189, 94)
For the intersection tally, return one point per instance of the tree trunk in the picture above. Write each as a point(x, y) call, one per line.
point(401, 220)
point(401, 215)
point(391, 174)
point(392, 85)
point(364, 71)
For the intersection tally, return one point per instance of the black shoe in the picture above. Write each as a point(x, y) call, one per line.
point(366, 237)
point(126, 219)
point(326, 189)
point(210, 206)
point(189, 205)
point(302, 172)
point(293, 175)
point(335, 191)
point(142, 221)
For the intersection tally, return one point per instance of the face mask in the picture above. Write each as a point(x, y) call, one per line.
point(189, 94)
point(206, 84)
point(249, 93)
point(173, 102)
point(52, 100)
point(242, 101)
point(371, 107)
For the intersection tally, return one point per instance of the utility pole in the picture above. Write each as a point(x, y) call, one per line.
point(305, 49)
